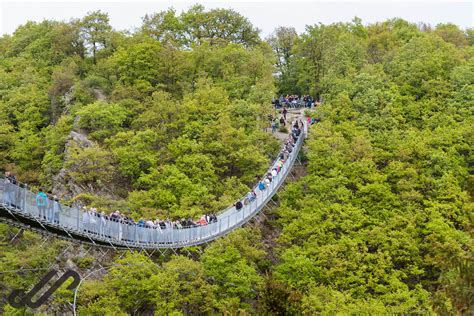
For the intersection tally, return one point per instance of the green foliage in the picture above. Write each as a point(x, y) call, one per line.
point(55, 137)
point(95, 29)
point(90, 165)
point(95, 82)
point(102, 119)
point(164, 26)
point(319, 46)
point(84, 262)
point(283, 42)
point(438, 59)
point(181, 287)
point(168, 122)
point(451, 33)
point(196, 26)
point(139, 62)
point(381, 222)
point(278, 298)
point(96, 298)
point(26, 252)
point(136, 284)
point(231, 266)
point(135, 151)
point(130, 281)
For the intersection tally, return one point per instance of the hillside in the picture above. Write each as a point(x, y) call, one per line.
point(171, 121)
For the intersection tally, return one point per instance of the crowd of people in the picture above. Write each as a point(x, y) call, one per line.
point(272, 173)
point(91, 216)
point(95, 221)
point(283, 103)
point(294, 101)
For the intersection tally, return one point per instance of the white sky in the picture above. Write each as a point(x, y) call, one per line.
point(264, 14)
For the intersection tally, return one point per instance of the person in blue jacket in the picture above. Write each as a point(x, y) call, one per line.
point(42, 203)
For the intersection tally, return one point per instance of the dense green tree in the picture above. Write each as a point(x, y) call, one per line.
point(283, 41)
point(92, 166)
point(95, 30)
point(231, 267)
point(56, 138)
point(181, 286)
point(164, 26)
point(320, 45)
point(451, 33)
point(102, 119)
point(139, 62)
point(369, 227)
point(439, 58)
point(218, 26)
point(196, 26)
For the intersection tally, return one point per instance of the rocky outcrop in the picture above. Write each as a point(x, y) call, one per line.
point(70, 183)
point(64, 186)
point(80, 140)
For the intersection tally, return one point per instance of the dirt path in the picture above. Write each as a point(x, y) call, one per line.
point(292, 115)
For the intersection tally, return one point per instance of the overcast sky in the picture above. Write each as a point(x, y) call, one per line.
point(266, 15)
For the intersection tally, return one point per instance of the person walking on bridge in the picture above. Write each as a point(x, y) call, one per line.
point(56, 209)
point(42, 203)
point(10, 189)
point(282, 121)
point(238, 205)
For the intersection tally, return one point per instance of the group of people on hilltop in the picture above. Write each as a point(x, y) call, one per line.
point(294, 101)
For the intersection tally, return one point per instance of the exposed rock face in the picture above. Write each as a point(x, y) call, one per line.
point(67, 185)
point(63, 185)
point(80, 139)
point(99, 94)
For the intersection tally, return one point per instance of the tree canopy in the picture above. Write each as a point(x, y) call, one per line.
point(169, 122)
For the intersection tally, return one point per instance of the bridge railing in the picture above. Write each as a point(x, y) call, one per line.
point(19, 200)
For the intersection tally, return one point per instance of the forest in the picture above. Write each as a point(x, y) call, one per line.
point(171, 120)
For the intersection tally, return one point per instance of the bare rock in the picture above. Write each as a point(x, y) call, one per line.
point(63, 185)
point(79, 139)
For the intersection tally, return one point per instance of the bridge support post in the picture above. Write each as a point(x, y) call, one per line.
point(77, 221)
point(25, 191)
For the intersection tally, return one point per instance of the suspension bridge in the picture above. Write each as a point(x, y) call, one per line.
point(18, 207)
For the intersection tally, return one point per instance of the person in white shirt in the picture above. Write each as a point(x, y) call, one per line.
point(274, 172)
